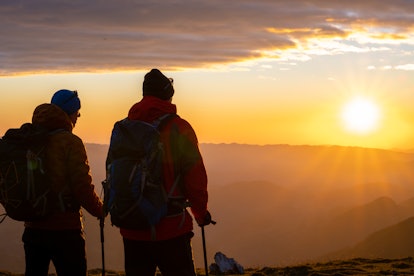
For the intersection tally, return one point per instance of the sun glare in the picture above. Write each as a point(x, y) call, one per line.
point(361, 115)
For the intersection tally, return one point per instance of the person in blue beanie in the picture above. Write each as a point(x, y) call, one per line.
point(59, 237)
point(69, 102)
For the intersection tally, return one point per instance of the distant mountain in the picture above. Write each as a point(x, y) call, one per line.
point(407, 206)
point(391, 242)
point(309, 166)
point(274, 205)
point(340, 168)
point(97, 158)
point(353, 225)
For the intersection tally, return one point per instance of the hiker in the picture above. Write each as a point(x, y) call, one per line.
point(59, 237)
point(167, 245)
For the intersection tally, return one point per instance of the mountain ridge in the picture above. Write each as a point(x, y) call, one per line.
point(390, 242)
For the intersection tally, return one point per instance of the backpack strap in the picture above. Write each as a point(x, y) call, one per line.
point(157, 123)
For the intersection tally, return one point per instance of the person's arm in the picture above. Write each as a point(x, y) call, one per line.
point(81, 179)
point(193, 173)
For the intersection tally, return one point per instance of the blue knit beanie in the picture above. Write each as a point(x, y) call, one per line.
point(67, 100)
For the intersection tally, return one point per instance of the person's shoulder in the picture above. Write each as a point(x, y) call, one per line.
point(67, 137)
point(182, 126)
point(180, 121)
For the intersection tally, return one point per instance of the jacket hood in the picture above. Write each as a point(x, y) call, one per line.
point(151, 108)
point(51, 117)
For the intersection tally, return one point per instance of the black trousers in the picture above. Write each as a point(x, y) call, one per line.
point(65, 248)
point(173, 257)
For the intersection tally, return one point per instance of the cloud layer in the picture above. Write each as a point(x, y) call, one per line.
point(103, 35)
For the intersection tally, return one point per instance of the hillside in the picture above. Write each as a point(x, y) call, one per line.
point(274, 205)
point(394, 241)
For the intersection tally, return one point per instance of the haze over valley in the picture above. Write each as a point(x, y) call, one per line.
point(279, 205)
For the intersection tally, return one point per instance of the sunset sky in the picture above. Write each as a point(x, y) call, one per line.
point(256, 72)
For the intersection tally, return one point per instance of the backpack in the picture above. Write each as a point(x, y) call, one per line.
point(25, 192)
point(135, 196)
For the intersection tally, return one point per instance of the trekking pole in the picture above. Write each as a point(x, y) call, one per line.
point(204, 250)
point(101, 224)
point(204, 247)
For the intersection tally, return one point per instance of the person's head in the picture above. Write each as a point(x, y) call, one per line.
point(69, 102)
point(157, 85)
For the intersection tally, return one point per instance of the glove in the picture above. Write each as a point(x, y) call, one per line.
point(206, 220)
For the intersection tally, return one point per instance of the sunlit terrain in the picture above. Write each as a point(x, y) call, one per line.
point(356, 267)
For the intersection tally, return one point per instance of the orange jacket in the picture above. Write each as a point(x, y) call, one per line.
point(67, 165)
point(182, 156)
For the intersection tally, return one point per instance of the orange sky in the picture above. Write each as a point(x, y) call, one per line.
point(252, 72)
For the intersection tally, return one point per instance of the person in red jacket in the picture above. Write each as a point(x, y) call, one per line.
point(168, 246)
point(59, 238)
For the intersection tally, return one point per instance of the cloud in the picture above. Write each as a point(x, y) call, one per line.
point(408, 67)
point(103, 35)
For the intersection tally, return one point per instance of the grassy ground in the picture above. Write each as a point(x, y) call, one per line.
point(355, 267)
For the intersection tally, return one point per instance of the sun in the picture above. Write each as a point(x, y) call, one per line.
point(361, 115)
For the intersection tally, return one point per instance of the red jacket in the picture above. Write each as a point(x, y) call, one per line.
point(181, 154)
point(66, 163)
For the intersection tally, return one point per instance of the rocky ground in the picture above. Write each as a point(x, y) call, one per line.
point(355, 267)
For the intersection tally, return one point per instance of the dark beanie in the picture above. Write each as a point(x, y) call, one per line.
point(67, 100)
point(157, 85)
